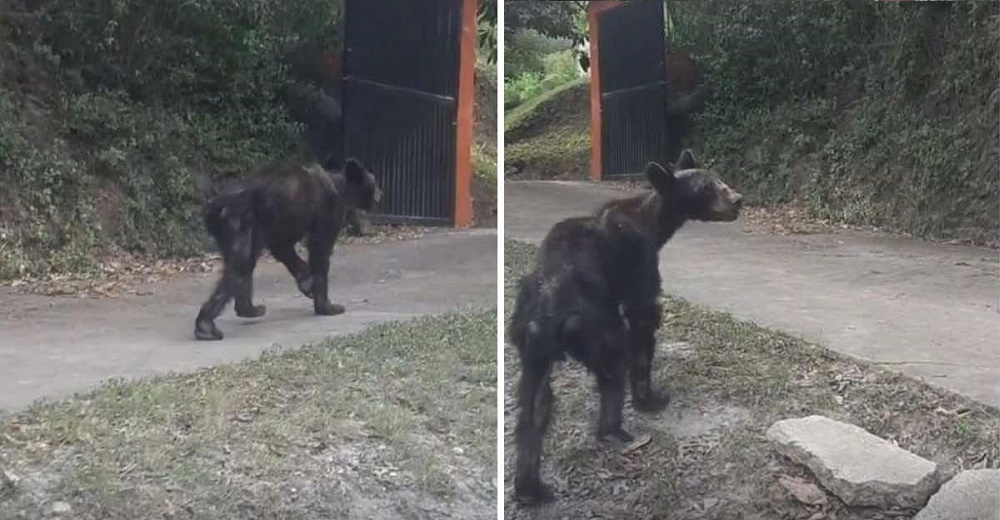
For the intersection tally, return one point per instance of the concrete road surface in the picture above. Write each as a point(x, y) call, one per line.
point(52, 347)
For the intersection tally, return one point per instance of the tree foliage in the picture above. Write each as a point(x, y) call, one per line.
point(487, 22)
point(534, 29)
point(552, 19)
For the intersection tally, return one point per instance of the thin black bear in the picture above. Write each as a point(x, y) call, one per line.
point(280, 204)
point(594, 294)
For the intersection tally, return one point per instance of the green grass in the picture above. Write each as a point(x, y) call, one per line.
point(397, 417)
point(536, 114)
point(549, 136)
point(484, 162)
point(734, 381)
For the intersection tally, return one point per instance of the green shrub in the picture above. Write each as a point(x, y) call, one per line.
point(191, 53)
point(869, 113)
point(558, 69)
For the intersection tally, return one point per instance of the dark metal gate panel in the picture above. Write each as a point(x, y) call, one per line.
point(633, 88)
point(401, 62)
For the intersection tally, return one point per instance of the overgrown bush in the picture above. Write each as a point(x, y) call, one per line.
point(872, 113)
point(135, 106)
point(220, 55)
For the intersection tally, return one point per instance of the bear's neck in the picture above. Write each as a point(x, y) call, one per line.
point(659, 219)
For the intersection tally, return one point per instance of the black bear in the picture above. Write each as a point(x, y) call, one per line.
point(280, 204)
point(594, 294)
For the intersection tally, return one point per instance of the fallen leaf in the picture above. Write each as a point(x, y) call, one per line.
point(803, 491)
point(641, 441)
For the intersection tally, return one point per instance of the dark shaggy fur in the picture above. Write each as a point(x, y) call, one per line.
point(594, 295)
point(281, 204)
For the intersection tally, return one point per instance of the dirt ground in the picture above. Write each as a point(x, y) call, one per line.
point(116, 275)
point(707, 457)
point(484, 203)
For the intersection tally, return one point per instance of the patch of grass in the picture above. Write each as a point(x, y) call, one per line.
point(708, 447)
point(484, 184)
point(549, 136)
point(484, 150)
point(396, 419)
point(484, 162)
point(536, 115)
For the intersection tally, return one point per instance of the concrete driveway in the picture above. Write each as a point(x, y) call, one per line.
point(53, 347)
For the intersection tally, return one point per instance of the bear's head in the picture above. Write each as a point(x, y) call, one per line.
point(692, 193)
point(361, 189)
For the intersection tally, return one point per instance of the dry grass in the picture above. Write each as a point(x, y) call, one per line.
point(396, 421)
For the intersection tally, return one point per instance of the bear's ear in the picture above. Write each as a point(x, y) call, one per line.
point(661, 178)
point(686, 161)
point(354, 172)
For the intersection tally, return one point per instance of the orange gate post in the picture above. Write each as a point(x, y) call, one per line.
point(594, 8)
point(465, 119)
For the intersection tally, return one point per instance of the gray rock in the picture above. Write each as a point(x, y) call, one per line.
point(858, 467)
point(61, 508)
point(971, 495)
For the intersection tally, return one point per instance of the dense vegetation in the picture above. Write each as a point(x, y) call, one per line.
point(538, 41)
point(872, 113)
point(116, 117)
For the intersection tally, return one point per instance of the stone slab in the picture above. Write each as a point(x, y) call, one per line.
point(971, 495)
point(860, 468)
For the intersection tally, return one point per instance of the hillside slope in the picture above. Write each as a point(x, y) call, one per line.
point(549, 136)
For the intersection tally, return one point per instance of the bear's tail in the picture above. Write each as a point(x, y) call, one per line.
point(537, 335)
point(527, 299)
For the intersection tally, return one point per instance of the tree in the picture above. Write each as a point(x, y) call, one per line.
point(549, 18)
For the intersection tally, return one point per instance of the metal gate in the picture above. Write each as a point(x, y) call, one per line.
point(631, 45)
point(401, 66)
